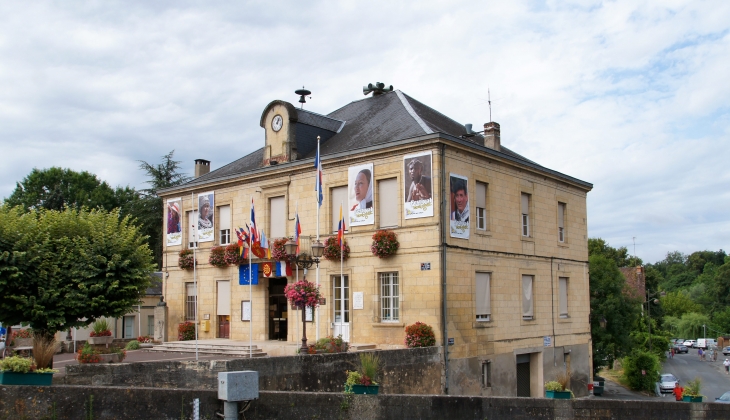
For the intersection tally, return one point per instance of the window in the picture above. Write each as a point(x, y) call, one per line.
point(192, 229)
point(128, 327)
point(481, 206)
point(224, 228)
point(486, 373)
point(525, 205)
point(339, 197)
point(388, 202)
point(527, 283)
point(483, 297)
point(151, 325)
point(389, 297)
point(561, 222)
point(563, 292)
point(191, 302)
point(277, 217)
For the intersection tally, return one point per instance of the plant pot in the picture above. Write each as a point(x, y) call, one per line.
point(23, 342)
point(558, 395)
point(14, 378)
point(365, 389)
point(110, 358)
point(101, 340)
point(692, 399)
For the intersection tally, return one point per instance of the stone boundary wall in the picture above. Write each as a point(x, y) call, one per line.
point(405, 371)
point(64, 402)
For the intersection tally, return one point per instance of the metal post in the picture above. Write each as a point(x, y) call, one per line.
point(648, 311)
point(230, 410)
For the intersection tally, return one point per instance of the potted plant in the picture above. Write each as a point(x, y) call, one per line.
point(232, 255)
point(332, 249)
point(331, 344)
point(365, 379)
point(217, 257)
point(186, 260)
point(558, 389)
point(186, 331)
point(385, 243)
point(278, 252)
point(22, 338)
point(87, 354)
point(18, 370)
point(101, 333)
point(691, 392)
point(420, 335)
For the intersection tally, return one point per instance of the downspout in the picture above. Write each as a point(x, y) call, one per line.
point(444, 331)
point(552, 312)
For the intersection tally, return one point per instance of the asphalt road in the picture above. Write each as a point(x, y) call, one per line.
point(688, 366)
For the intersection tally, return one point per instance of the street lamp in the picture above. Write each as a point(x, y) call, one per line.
point(304, 261)
point(648, 309)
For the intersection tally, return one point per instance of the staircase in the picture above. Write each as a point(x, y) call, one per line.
point(227, 349)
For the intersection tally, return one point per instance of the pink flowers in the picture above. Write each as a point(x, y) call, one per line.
point(303, 293)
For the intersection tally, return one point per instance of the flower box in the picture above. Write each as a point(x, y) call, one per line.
point(23, 342)
point(101, 340)
point(110, 358)
point(688, 398)
point(558, 395)
point(365, 389)
point(30, 378)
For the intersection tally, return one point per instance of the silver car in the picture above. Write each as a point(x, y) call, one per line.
point(667, 382)
point(725, 399)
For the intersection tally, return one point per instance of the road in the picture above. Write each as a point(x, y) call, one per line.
point(688, 366)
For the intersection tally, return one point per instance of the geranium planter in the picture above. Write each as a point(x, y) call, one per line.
point(111, 358)
point(558, 395)
point(365, 389)
point(688, 398)
point(100, 340)
point(23, 342)
point(30, 378)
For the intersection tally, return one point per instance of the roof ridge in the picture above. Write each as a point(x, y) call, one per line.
point(413, 112)
point(434, 110)
point(358, 100)
point(318, 114)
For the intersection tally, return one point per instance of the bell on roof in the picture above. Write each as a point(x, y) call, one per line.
point(376, 89)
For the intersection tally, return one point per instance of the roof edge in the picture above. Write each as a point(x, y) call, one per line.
point(293, 115)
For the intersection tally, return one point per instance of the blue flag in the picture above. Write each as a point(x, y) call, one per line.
point(243, 274)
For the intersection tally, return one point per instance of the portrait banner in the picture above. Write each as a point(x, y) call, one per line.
point(459, 218)
point(360, 195)
point(417, 176)
point(206, 212)
point(174, 222)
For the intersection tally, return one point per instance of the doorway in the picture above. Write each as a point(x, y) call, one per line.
point(224, 326)
point(223, 309)
point(278, 312)
point(523, 375)
point(128, 327)
point(341, 294)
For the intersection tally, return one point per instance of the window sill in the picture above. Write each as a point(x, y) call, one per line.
point(564, 319)
point(387, 324)
point(563, 245)
point(530, 321)
point(527, 239)
point(482, 324)
point(483, 232)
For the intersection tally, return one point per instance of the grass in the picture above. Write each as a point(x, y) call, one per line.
point(618, 377)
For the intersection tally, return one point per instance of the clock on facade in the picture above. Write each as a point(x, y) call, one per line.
point(277, 122)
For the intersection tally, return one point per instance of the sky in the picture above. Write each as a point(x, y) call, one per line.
point(632, 96)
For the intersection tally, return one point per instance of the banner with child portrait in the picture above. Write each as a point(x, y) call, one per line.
point(360, 195)
point(174, 222)
point(417, 186)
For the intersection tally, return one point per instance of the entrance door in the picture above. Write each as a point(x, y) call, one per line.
point(341, 307)
point(278, 312)
point(224, 326)
point(223, 309)
point(523, 375)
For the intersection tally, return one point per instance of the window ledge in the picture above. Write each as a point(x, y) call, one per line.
point(387, 324)
point(563, 245)
point(482, 324)
point(483, 232)
point(527, 238)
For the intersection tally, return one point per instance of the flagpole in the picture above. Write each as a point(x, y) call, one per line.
point(319, 204)
point(250, 290)
point(195, 277)
point(342, 279)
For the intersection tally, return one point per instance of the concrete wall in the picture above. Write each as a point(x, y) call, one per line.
point(74, 402)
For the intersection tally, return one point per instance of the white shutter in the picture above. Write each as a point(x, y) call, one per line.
point(525, 204)
point(192, 225)
point(481, 195)
point(339, 196)
point(563, 293)
point(561, 215)
point(224, 298)
point(527, 311)
point(190, 289)
point(388, 200)
point(224, 217)
point(483, 295)
point(277, 217)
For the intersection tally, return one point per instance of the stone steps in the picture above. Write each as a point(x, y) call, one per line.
point(363, 347)
point(227, 350)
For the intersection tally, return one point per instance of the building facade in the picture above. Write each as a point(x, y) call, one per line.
point(493, 247)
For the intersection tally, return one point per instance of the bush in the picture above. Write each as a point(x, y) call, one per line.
point(87, 354)
point(186, 331)
point(641, 370)
point(331, 344)
point(420, 335)
point(132, 345)
point(16, 364)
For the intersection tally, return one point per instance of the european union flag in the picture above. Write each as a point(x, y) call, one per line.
point(243, 274)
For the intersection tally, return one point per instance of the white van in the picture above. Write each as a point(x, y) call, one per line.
point(705, 343)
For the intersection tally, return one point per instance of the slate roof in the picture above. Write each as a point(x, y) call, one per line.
point(363, 123)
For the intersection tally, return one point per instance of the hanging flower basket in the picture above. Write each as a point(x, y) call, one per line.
point(303, 293)
point(186, 260)
point(278, 252)
point(420, 335)
point(218, 257)
point(232, 256)
point(385, 243)
point(332, 249)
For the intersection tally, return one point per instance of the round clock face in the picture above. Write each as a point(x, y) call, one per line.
point(277, 122)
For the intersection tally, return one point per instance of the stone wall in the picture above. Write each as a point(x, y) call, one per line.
point(405, 371)
point(76, 402)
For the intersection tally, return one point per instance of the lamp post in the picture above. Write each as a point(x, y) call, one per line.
point(304, 261)
point(648, 309)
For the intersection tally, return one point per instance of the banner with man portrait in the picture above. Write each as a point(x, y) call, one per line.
point(360, 195)
point(174, 222)
point(206, 213)
point(459, 213)
point(417, 186)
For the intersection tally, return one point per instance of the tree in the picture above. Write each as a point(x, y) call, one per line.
point(690, 325)
point(597, 246)
point(678, 303)
point(150, 212)
point(64, 269)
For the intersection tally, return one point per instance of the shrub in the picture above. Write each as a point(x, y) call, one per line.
point(132, 345)
point(420, 335)
point(693, 388)
point(385, 243)
point(217, 257)
point(332, 249)
point(87, 354)
point(641, 370)
point(331, 344)
point(186, 331)
point(554, 386)
point(16, 364)
point(186, 260)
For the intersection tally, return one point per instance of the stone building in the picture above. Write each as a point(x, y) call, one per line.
point(493, 246)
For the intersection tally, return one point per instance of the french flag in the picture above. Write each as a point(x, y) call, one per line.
point(341, 231)
point(318, 181)
point(297, 232)
point(254, 235)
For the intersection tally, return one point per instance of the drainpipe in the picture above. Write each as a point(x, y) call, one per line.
point(444, 331)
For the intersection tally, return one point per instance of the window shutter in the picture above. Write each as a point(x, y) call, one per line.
point(339, 196)
point(525, 204)
point(561, 215)
point(483, 295)
point(563, 288)
point(192, 225)
point(527, 296)
point(388, 199)
point(277, 217)
point(190, 289)
point(481, 195)
point(224, 298)
point(224, 217)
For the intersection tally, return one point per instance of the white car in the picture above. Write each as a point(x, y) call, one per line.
point(690, 343)
point(667, 382)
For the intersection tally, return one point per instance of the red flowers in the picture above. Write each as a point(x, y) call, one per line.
point(332, 249)
point(106, 333)
point(303, 293)
point(420, 335)
point(385, 243)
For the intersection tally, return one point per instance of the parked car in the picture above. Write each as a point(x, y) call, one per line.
point(667, 382)
point(726, 350)
point(681, 348)
point(690, 343)
point(677, 340)
point(724, 399)
point(705, 343)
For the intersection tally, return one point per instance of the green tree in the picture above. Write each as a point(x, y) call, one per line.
point(611, 301)
point(64, 269)
point(150, 211)
point(690, 325)
point(641, 370)
point(678, 303)
point(597, 246)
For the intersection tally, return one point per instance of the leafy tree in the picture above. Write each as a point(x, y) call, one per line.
point(597, 246)
point(697, 260)
point(64, 269)
point(610, 300)
point(678, 303)
point(690, 325)
point(150, 212)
